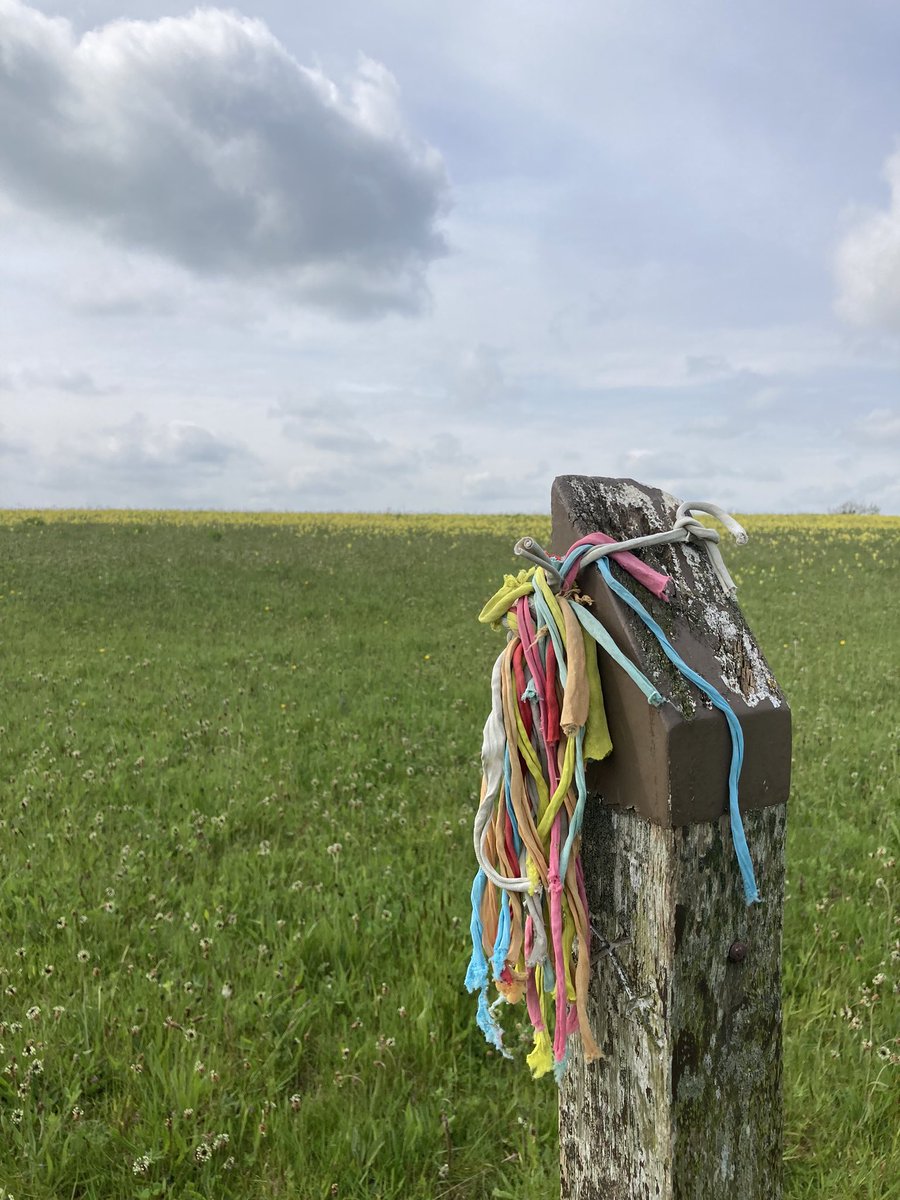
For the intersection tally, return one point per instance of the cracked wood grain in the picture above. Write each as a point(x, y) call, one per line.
point(686, 1105)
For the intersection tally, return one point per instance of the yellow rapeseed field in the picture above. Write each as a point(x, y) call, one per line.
point(512, 524)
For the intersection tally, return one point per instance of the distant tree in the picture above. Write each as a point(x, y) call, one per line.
point(855, 507)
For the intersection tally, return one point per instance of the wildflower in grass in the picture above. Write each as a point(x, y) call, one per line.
point(190, 1034)
point(264, 849)
point(21, 952)
point(883, 1053)
point(228, 1164)
point(77, 1112)
point(16, 1116)
point(199, 1068)
point(49, 968)
point(203, 1153)
point(188, 1114)
point(141, 1165)
point(335, 850)
point(295, 1101)
point(866, 1045)
point(61, 922)
point(220, 1141)
point(227, 990)
point(34, 1012)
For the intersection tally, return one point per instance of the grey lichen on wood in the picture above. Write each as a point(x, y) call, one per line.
point(686, 1103)
point(626, 509)
point(671, 763)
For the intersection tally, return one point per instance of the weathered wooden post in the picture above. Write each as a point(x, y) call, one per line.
point(685, 998)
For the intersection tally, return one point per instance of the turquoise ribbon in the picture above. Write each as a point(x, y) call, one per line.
point(742, 852)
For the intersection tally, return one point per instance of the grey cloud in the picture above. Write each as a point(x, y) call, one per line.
point(479, 379)
point(704, 365)
point(201, 139)
point(720, 427)
point(75, 380)
point(331, 427)
point(12, 447)
point(80, 383)
point(671, 464)
point(506, 485)
point(881, 426)
point(135, 464)
point(139, 448)
point(124, 300)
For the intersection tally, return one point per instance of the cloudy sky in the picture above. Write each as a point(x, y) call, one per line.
point(386, 254)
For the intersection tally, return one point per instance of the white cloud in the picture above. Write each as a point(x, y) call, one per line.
point(868, 262)
point(880, 427)
point(201, 139)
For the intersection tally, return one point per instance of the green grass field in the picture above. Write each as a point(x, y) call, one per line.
point(239, 762)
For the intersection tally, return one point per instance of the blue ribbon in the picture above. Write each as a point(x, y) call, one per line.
point(751, 892)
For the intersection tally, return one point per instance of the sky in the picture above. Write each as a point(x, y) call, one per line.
point(396, 256)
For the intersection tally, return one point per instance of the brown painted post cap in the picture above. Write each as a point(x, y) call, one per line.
point(670, 764)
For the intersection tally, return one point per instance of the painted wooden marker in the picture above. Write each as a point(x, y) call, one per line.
point(685, 999)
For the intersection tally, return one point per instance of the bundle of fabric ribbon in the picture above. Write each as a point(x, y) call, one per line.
point(530, 923)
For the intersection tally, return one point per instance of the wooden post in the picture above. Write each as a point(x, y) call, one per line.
point(685, 998)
